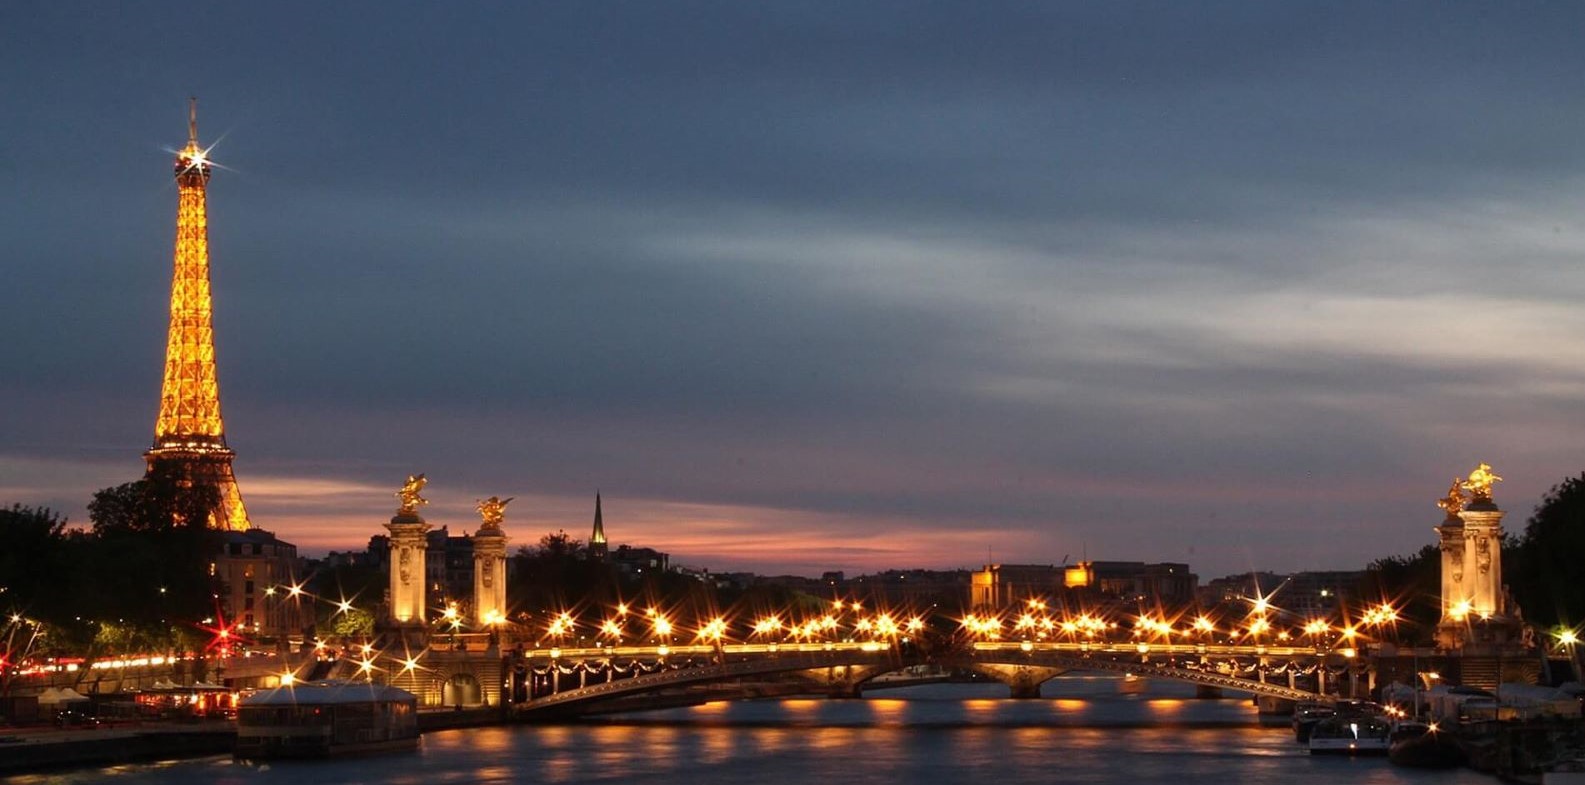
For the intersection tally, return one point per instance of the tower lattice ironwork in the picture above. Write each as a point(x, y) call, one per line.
point(189, 438)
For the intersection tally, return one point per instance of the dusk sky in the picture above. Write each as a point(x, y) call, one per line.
point(804, 287)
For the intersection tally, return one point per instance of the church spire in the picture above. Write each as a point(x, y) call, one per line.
point(597, 546)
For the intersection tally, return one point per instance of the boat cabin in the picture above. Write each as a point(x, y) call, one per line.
point(324, 718)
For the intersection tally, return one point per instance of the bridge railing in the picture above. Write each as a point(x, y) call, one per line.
point(700, 650)
point(1146, 648)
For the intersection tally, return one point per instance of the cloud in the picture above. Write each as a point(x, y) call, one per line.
point(1246, 286)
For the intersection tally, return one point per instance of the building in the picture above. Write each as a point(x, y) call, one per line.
point(1001, 585)
point(1166, 583)
point(1318, 594)
point(905, 589)
point(639, 561)
point(257, 571)
point(448, 568)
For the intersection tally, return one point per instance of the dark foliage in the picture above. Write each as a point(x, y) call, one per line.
point(1413, 584)
point(138, 577)
point(1546, 572)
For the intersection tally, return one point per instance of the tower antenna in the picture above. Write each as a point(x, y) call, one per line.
point(192, 120)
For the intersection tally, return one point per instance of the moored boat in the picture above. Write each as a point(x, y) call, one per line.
point(1424, 745)
point(1342, 735)
point(326, 718)
point(1305, 716)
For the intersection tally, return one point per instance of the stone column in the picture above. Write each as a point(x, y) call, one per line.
point(1483, 558)
point(489, 576)
point(1450, 536)
point(408, 546)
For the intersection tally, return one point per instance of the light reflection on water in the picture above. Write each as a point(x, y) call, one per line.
point(940, 733)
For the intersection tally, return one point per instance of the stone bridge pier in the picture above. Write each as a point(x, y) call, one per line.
point(1024, 680)
point(841, 681)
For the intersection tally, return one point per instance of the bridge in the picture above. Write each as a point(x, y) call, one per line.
point(575, 680)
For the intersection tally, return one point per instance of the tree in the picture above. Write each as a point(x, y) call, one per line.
point(147, 563)
point(1547, 570)
point(33, 557)
point(1413, 584)
point(557, 574)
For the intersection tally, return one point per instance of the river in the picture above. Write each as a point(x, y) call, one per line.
point(1085, 731)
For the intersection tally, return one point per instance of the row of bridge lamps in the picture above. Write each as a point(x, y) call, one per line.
point(1032, 623)
point(613, 629)
point(1257, 626)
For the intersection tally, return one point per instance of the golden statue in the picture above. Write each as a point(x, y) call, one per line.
point(411, 501)
point(492, 511)
point(1480, 482)
point(1454, 500)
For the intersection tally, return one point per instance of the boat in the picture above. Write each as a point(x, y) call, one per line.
point(1423, 745)
point(1305, 716)
point(1342, 735)
point(325, 719)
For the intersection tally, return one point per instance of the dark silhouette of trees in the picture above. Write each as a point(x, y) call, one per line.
point(36, 555)
point(1413, 584)
point(1547, 569)
point(558, 574)
point(148, 566)
point(137, 579)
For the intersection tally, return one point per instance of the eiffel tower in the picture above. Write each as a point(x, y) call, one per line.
point(189, 438)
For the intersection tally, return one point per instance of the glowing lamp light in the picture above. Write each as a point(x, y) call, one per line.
point(1567, 638)
point(288, 679)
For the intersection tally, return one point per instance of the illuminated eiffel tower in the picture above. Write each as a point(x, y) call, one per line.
point(189, 438)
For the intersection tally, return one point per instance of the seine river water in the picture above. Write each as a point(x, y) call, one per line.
point(1085, 731)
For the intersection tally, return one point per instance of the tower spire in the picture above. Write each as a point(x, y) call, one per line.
point(597, 546)
point(189, 437)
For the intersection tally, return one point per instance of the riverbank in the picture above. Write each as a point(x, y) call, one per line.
point(24, 751)
point(29, 750)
